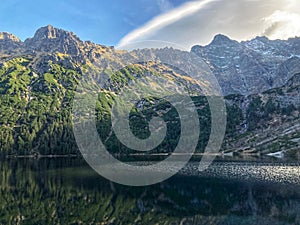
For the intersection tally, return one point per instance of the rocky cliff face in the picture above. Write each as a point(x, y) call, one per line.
point(9, 42)
point(4, 36)
point(50, 39)
point(266, 122)
point(252, 66)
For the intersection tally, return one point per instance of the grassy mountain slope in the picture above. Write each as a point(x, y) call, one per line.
point(38, 79)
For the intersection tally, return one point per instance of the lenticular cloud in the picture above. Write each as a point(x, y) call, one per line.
point(197, 22)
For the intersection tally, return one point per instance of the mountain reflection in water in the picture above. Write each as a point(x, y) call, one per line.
point(67, 191)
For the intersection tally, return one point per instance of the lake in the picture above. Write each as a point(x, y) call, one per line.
point(231, 191)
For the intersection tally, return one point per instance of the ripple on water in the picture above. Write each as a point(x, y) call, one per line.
point(287, 173)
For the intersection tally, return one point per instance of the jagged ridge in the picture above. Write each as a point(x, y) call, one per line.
point(38, 78)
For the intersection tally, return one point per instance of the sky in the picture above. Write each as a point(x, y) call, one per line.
point(198, 22)
point(183, 22)
point(101, 21)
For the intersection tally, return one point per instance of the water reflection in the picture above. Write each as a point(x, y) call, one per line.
point(67, 191)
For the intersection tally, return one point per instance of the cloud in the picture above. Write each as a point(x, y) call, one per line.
point(162, 21)
point(164, 5)
point(197, 22)
point(282, 25)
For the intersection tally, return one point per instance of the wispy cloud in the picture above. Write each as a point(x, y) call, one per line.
point(198, 21)
point(164, 5)
point(164, 20)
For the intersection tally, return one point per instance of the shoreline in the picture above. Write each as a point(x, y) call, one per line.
point(41, 156)
point(137, 155)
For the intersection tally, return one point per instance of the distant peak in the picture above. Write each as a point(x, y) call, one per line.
point(50, 32)
point(220, 39)
point(261, 38)
point(51, 39)
point(8, 36)
point(49, 26)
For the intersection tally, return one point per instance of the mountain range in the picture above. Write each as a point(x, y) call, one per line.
point(241, 67)
point(259, 78)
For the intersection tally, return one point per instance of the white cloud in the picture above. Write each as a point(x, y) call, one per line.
point(282, 25)
point(198, 21)
point(162, 21)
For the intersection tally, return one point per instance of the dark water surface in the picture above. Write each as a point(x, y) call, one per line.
point(67, 191)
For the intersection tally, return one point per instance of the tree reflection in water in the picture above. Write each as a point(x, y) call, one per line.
point(67, 191)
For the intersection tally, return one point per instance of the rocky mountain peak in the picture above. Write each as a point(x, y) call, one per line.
point(5, 36)
point(221, 39)
point(253, 66)
point(9, 43)
point(51, 39)
point(47, 32)
point(50, 32)
point(261, 38)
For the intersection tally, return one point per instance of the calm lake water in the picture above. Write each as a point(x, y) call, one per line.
point(68, 191)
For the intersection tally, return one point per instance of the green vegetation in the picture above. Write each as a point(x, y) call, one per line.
point(66, 191)
point(35, 110)
point(35, 107)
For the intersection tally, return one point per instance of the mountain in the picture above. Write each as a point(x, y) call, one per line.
point(9, 42)
point(38, 78)
point(251, 66)
point(245, 68)
point(50, 39)
point(266, 122)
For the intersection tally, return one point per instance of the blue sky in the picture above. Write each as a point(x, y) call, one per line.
point(101, 21)
point(183, 22)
